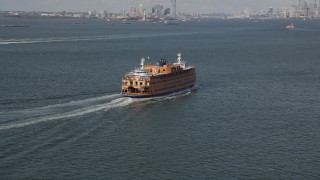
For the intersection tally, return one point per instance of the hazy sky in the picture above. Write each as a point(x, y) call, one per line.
point(203, 6)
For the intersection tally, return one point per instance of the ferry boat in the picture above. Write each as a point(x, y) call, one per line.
point(290, 27)
point(161, 78)
point(172, 22)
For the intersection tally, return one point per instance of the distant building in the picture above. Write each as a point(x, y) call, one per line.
point(313, 9)
point(247, 13)
point(305, 9)
point(133, 12)
point(158, 10)
point(299, 5)
point(174, 9)
point(167, 12)
point(141, 9)
point(270, 11)
point(318, 9)
point(103, 14)
point(294, 12)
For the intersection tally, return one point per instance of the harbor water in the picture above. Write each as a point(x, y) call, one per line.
point(254, 115)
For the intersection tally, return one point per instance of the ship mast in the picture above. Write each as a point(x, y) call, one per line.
point(142, 62)
point(179, 58)
point(180, 62)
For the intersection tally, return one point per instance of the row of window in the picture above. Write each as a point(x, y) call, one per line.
point(135, 83)
point(134, 90)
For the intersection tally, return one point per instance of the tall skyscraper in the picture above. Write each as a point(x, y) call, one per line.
point(318, 10)
point(304, 8)
point(174, 9)
point(299, 6)
point(141, 8)
point(158, 10)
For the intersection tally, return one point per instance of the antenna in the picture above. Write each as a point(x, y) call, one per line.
point(179, 58)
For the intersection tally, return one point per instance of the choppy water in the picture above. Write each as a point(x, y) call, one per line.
point(254, 115)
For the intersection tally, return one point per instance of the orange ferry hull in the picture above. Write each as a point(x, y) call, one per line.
point(157, 95)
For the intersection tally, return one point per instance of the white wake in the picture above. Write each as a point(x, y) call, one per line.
point(87, 38)
point(43, 114)
point(64, 111)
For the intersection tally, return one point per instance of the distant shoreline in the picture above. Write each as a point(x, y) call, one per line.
point(134, 19)
point(43, 17)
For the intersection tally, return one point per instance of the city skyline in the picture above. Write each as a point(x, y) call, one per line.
point(203, 6)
